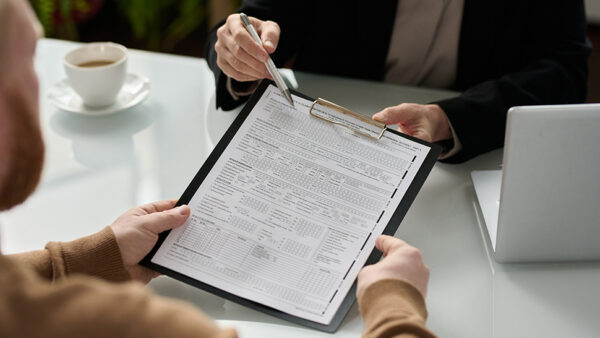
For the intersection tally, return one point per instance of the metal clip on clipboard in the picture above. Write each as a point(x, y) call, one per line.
point(372, 129)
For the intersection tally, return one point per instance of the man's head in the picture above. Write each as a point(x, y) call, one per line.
point(21, 146)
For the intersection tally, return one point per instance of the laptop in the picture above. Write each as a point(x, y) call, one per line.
point(544, 205)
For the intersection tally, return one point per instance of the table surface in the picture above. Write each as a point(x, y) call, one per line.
point(98, 167)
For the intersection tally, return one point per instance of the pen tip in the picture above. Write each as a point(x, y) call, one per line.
point(288, 96)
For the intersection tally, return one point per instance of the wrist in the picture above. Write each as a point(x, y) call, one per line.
point(441, 130)
point(390, 295)
point(239, 89)
point(97, 255)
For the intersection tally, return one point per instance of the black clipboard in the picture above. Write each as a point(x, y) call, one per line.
point(374, 257)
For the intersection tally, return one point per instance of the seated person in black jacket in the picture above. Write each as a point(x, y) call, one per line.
point(498, 53)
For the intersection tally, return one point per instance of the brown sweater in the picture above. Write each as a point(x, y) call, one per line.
point(62, 291)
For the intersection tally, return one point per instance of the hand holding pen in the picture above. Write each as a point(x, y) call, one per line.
point(245, 58)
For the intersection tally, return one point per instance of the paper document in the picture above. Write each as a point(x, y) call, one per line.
point(291, 209)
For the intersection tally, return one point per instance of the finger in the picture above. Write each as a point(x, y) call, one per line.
point(158, 206)
point(382, 116)
point(269, 34)
point(227, 43)
point(242, 37)
point(232, 72)
point(240, 59)
point(165, 220)
point(242, 67)
point(388, 244)
point(396, 115)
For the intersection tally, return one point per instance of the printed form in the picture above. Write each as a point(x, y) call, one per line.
point(290, 211)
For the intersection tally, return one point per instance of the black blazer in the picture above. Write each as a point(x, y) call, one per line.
point(511, 52)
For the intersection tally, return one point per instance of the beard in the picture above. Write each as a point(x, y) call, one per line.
point(25, 154)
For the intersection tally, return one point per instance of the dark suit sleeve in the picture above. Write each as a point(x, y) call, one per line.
point(289, 15)
point(553, 70)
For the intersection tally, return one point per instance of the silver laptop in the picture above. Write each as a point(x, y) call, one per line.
point(544, 205)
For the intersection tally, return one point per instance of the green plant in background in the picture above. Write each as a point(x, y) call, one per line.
point(58, 16)
point(163, 23)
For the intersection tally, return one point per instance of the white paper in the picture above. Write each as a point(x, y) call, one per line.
point(290, 211)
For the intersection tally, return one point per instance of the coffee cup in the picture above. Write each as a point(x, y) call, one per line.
point(97, 71)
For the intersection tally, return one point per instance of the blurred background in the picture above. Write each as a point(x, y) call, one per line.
point(171, 26)
point(182, 26)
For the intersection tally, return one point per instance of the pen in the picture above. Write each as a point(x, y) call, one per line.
point(269, 63)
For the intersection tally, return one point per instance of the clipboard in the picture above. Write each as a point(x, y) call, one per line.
point(375, 255)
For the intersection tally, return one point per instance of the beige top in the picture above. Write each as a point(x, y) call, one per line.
point(424, 47)
point(424, 43)
point(81, 289)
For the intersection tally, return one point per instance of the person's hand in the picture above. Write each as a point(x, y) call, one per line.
point(238, 55)
point(137, 231)
point(427, 122)
point(401, 261)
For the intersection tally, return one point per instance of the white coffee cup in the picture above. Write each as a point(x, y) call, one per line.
point(97, 71)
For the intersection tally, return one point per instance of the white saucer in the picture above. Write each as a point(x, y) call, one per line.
point(135, 89)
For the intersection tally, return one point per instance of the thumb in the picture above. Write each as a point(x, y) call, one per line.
point(269, 34)
point(394, 115)
point(388, 244)
point(158, 222)
point(384, 116)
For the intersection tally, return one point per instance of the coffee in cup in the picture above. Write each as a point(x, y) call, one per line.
point(98, 63)
point(97, 71)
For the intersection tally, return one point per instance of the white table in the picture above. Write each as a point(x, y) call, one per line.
point(96, 168)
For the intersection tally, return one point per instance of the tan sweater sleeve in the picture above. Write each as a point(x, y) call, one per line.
point(393, 308)
point(83, 306)
point(96, 255)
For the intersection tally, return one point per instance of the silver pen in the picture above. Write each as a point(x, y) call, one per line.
point(269, 63)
